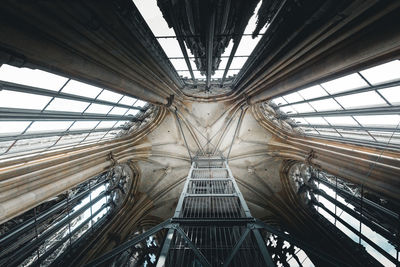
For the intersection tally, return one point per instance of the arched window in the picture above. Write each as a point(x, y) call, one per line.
point(41, 235)
point(366, 217)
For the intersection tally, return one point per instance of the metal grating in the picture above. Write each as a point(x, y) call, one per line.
point(210, 173)
point(212, 207)
point(211, 186)
point(216, 243)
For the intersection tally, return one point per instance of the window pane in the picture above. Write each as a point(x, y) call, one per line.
point(171, 47)
point(132, 112)
point(247, 45)
point(356, 135)
point(342, 120)
point(352, 81)
point(126, 100)
point(279, 101)
point(107, 95)
point(231, 73)
point(379, 120)
point(391, 94)
point(325, 104)
point(310, 131)
point(293, 97)
point(301, 121)
point(218, 74)
point(5, 145)
point(10, 99)
point(153, 17)
point(118, 111)
point(383, 73)
point(185, 74)
point(120, 123)
point(71, 139)
point(288, 110)
point(313, 92)
point(140, 103)
point(329, 132)
point(106, 124)
point(13, 127)
point(47, 126)
point(386, 136)
point(30, 77)
point(238, 62)
point(60, 104)
point(33, 144)
point(179, 64)
point(303, 108)
point(81, 89)
point(316, 120)
point(98, 109)
point(366, 99)
point(83, 125)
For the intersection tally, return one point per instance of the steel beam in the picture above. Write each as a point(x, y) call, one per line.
point(236, 247)
point(50, 134)
point(28, 114)
point(263, 249)
point(44, 92)
point(165, 248)
point(197, 252)
point(356, 91)
point(345, 127)
point(210, 49)
point(121, 248)
point(353, 112)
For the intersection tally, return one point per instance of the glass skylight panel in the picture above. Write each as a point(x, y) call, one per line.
point(13, 127)
point(4, 146)
point(153, 17)
point(365, 99)
point(313, 92)
point(391, 94)
point(352, 81)
point(81, 89)
point(127, 100)
point(118, 111)
point(300, 121)
point(329, 132)
point(107, 95)
point(386, 136)
point(179, 64)
point(342, 121)
point(223, 62)
point(218, 74)
point(49, 126)
point(33, 144)
point(379, 120)
point(356, 135)
point(279, 101)
point(288, 110)
point(31, 77)
point(293, 97)
point(316, 121)
point(232, 73)
point(184, 74)
point(83, 125)
point(171, 47)
point(198, 75)
point(60, 104)
point(303, 108)
point(71, 139)
point(11, 99)
point(120, 123)
point(247, 45)
point(106, 124)
point(325, 105)
point(98, 109)
point(310, 130)
point(140, 103)
point(132, 112)
point(387, 72)
point(238, 62)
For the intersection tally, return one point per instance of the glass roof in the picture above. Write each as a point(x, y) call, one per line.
point(40, 111)
point(363, 106)
point(168, 41)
